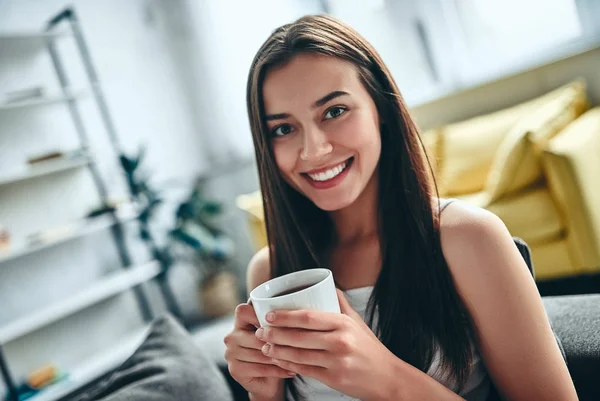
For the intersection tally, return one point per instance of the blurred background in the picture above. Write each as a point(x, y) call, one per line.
point(128, 185)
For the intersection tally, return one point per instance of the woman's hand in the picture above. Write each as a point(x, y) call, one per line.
point(339, 350)
point(247, 364)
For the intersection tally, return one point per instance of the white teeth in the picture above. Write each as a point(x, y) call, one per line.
point(329, 174)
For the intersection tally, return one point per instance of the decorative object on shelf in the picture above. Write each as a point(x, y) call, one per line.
point(4, 238)
point(197, 229)
point(58, 155)
point(38, 380)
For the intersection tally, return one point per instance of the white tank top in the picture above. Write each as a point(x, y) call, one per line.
point(476, 389)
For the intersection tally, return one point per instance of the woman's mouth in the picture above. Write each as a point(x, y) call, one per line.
point(330, 177)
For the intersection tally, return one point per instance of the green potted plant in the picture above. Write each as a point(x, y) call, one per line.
point(197, 229)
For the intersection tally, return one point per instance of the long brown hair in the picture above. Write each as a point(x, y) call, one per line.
point(418, 307)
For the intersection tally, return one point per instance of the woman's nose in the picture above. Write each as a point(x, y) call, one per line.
point(316, 145)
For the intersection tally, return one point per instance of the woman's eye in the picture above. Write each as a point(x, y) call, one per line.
point(335, 112)
point(282, 130)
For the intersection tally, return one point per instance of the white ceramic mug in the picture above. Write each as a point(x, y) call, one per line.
point(317, 292)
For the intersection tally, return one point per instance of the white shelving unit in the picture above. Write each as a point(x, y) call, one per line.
point(45, 168)
point(30, 40)
point(130, 276)
point(44, 100)
point(32, 36)
point(93, 368)
point(103, 289)
point(63, 234)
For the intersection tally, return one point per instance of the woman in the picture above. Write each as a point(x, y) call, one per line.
point(435, 305)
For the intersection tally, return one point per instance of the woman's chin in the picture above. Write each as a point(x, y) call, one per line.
point(332, 204)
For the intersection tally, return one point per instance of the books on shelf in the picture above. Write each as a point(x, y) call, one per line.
point(47, 164)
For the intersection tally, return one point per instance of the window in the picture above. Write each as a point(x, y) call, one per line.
point(491, 38)
point(435, 47)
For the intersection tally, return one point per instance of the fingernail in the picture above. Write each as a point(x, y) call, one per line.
point(270, 316)
point(291, 374)
point(259, 333)
point(275, 361)
point(266, 349)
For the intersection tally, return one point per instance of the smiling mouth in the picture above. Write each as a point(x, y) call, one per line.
point(329, 174)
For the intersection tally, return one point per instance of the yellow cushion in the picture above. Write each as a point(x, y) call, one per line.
point(530, 215)
point(572, 165)
point(431, 143)
point(552, 260)
point(252, 204)
point(468, 147)
point(517, 163)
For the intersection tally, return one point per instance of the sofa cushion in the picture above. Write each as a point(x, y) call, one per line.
point(575, 321)
point(432, 143)
point(252, 204)
point(517, 163)
point(530, 215)
point(572, 165)
point(167, 366)
point(468, 147)
point(552, 260)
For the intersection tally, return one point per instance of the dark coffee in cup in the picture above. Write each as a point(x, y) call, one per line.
point(292, 290)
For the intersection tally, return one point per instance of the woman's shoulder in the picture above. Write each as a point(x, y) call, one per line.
point(470, 232)
point(459, 217)
point(259, 269)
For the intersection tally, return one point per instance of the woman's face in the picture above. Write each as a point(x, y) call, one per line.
point(324, 129)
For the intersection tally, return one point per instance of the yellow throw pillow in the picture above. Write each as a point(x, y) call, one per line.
point(517, 163)
point(468, 147)
point(432, 143)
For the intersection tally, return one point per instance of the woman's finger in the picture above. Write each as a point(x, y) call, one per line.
point(299, 338)
point(255, 370)
point(245, 316)
point(345, 306)
point(243, 338)
point(297, 355)
point(316, 372)
point(305, 319)
point(248, 355)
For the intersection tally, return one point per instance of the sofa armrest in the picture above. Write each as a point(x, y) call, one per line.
point(572, 163)
point(575, 321)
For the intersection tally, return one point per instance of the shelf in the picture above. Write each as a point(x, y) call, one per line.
point(100, 364)
point(65, 233)
point(30, 38)
point(103, 289)
point(45, 100)
point(45, 168)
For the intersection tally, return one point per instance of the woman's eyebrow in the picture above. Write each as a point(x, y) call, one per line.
point(280, 116)
point(329, 97)
point(318, 103)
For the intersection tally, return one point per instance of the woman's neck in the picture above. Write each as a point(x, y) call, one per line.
point(359, 220)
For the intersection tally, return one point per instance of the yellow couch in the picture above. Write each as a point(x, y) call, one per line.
point(535, 165)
